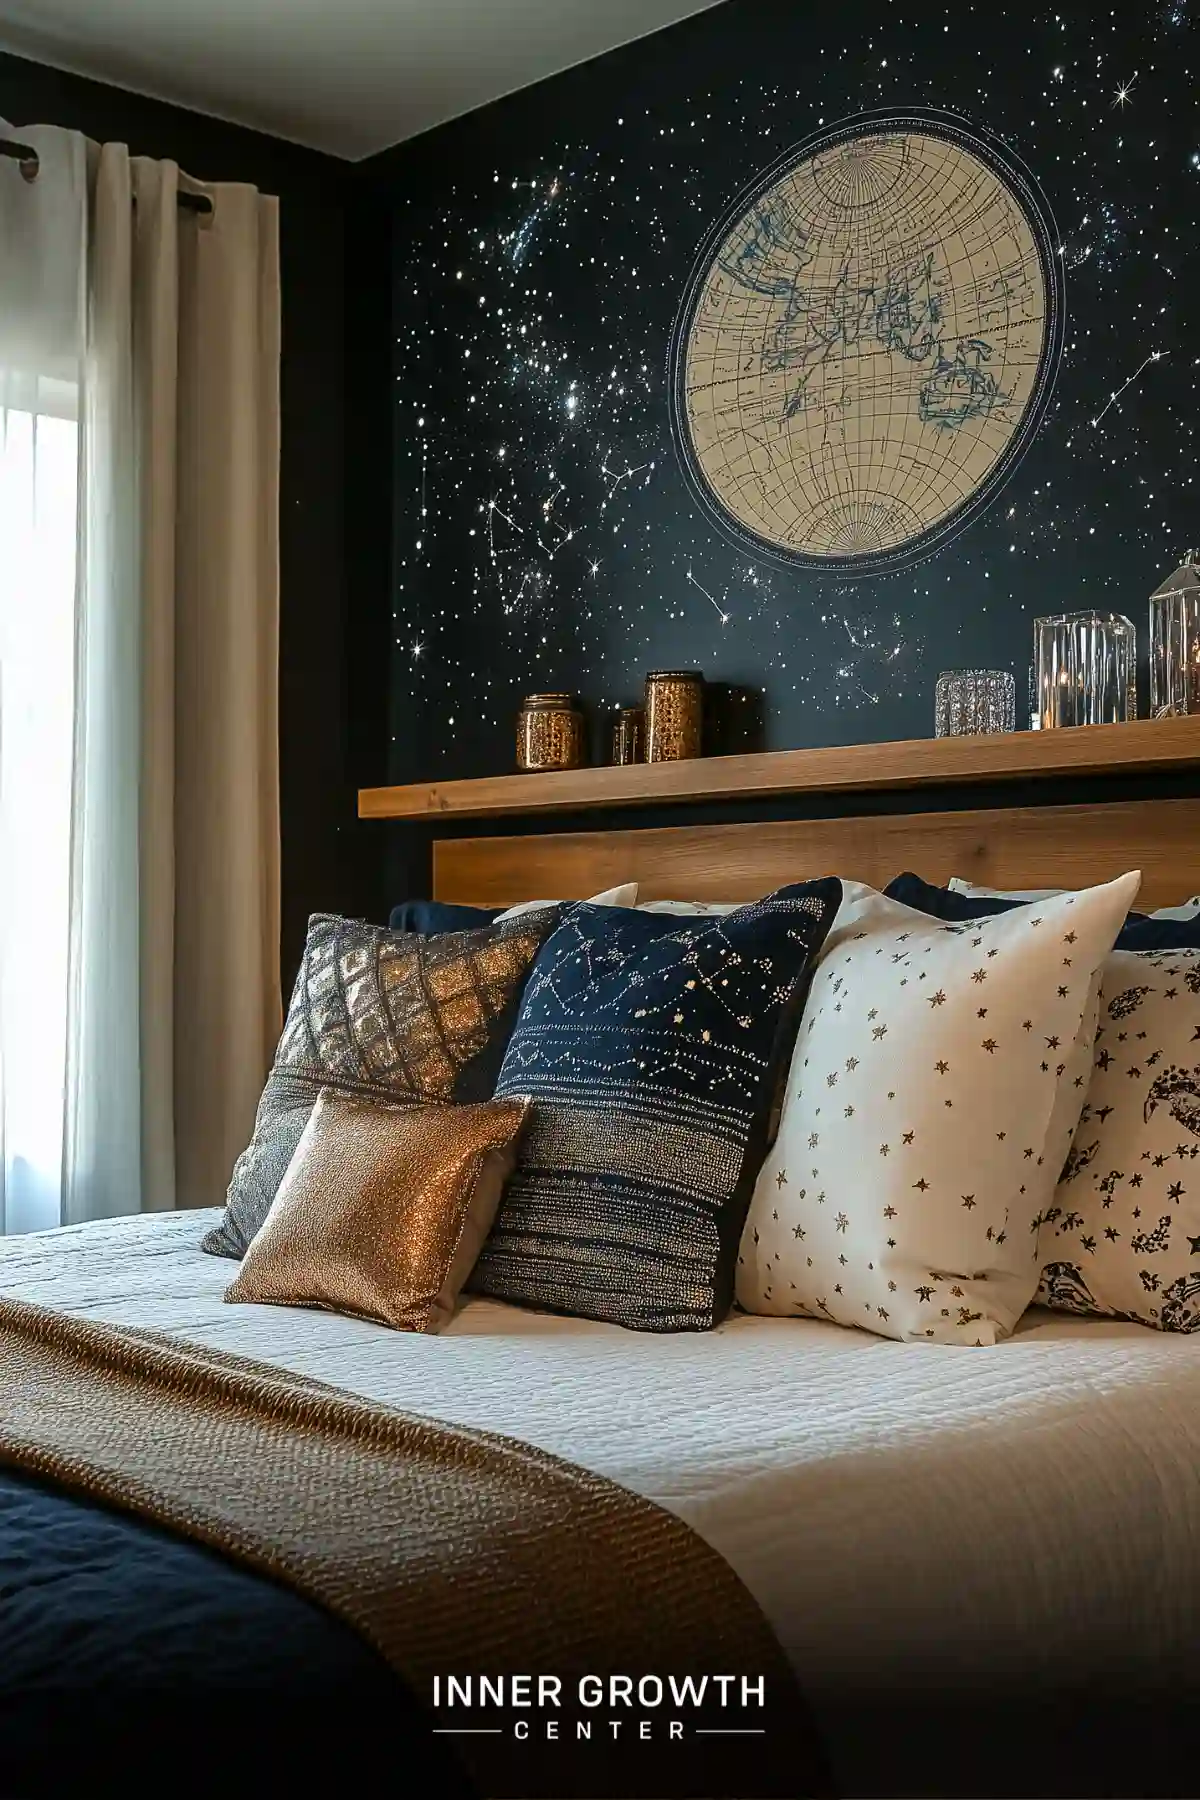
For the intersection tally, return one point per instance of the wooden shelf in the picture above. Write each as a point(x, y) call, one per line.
point(1145, 746)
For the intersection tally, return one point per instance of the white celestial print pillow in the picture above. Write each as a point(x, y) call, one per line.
point(701, 909)
point(959, 886)
point(1122, 1235)
point(624, 896)
point(1187, 911)
point(934, 1091)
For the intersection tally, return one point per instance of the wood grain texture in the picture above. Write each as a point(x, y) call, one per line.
point(1143, 746)
point(1018, 847)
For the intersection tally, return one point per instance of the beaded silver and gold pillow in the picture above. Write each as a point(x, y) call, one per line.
point(386, 1015)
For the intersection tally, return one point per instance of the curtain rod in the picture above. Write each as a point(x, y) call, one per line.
point(27, 157)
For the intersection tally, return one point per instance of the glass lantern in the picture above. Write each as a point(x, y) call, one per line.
point(1175, 642)
point(1085, 669)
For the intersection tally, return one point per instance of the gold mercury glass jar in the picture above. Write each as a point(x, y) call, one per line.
point(674, 713)
point(550, 733)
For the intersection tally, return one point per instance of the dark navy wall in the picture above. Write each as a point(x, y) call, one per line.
point(543, 535)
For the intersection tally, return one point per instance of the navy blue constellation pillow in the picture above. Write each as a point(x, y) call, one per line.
point(651, 1048)
point(433, 918)
point(1138, 933)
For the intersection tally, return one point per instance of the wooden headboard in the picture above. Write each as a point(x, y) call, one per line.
point(1014, 847)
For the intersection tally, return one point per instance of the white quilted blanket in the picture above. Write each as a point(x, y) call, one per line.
point(904, 1513)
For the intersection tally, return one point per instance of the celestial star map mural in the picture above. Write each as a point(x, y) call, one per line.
point(1002, 365)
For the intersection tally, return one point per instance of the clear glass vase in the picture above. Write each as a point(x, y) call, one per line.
point(969, 702)
point(1175, 642)
point(1086, 669)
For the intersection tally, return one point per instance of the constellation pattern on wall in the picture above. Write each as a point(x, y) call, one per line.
point(545, 535)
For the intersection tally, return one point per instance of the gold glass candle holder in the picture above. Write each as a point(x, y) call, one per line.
point(550, 733)
point(674, 714)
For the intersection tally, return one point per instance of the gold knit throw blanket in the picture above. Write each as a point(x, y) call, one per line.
point(452, 1551)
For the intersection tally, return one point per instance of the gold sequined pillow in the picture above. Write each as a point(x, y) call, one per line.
point(385, 1015)
point(383, 1209)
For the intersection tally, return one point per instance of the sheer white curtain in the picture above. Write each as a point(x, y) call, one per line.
point(174, 992)
point(42, 324)
point(139, 810)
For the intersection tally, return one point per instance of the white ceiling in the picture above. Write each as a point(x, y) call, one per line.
point(347, 76)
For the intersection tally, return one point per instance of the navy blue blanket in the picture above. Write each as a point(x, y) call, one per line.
point(135, 1662)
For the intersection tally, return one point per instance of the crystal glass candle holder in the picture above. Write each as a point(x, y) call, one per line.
point(1175, 642)
point(970, 702)
point(1086, 665)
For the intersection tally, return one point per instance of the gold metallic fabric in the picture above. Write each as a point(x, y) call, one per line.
point(384, 1209)
point(388, 1015)
point(448, 1549)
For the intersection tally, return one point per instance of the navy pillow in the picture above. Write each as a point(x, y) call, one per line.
point(433, 918)
point(1141, 933)
point(1138, 933)
point(943, 903)
point(651, 1046)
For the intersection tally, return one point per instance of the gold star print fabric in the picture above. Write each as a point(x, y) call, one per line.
point(935, 1087)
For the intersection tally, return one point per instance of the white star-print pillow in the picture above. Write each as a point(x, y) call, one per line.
point(934, 1091)
point(1122, 1235)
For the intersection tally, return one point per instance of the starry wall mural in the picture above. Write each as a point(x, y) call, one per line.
point(1028, 295)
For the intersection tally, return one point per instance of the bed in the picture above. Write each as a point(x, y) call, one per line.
point(983, 1567)
point(875, 1501)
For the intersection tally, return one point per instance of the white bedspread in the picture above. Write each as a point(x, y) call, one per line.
point(906, 1513)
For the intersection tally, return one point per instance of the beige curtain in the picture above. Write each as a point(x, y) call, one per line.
point(174, 995)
